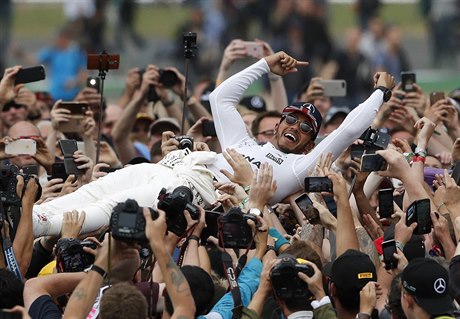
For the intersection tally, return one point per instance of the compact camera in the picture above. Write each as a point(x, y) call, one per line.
point(128, 222)
point(185, 142)
point(174, 204)
point(234, 231)
point(374, 138)
point(285, 281)
point(8, 182)
point(70, 256)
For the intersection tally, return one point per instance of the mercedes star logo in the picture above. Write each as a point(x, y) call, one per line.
point(440, 285)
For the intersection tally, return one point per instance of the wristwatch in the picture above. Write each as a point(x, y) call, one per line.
point(255, 212)
point(362, 315)
point(386, 93)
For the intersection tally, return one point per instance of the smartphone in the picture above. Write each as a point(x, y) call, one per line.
point(103, 61)
point(305, 204)
point(389, 248)
point(109, 169)
point(436, 96)
point(334, 87)
point(21, 147)
point(211, 225)
point(208, 128)
point(318, 184)
point(386, 203)
point(407, 81)
point(373, 163)
point(30, 169)
point(254, 49)
point(357, 150)
point(29, 75)
point(68, 148)
point(419, 211)
point(58, 171)
point(456, 173)
point(77, 112)
point(93, 82)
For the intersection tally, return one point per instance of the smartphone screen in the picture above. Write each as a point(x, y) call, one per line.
point(389, 248)
point(386, 203)
point(357, 150)
point(305, 204)
point(318, 184)
point(407, 81)
point(373, 163)
point(419, 211)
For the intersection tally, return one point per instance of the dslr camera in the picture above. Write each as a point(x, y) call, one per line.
point(128, 223)
point(174, 204)
point(234, 231)
point(185, 142)
point(70, 256)
point(167, 77)
point(285, 281)
point(375, 139)
point(8, 182)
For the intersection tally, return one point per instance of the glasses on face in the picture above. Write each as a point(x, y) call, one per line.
point(14, 106)
point(292, 120)
point(267, 133)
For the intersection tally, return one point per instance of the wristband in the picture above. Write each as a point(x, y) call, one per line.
point(244, 202)
point(99, 270)
point(362, 315)
point(193, 237)
point(270, 247)
point(420, 151)
point(277, 238)
point(409, 156)
point(418, 158)
point(247, 189)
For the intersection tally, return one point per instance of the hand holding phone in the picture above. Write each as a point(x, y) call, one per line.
point(334, 87)
point(408, 81)
point(373, 163)
point(208, 128)
point(419, 212)
point(77, 111)
point(305, 204)
point(386, 208)
point(29, 75)
point(254, 49)
point(68, 148)
point(389, 249)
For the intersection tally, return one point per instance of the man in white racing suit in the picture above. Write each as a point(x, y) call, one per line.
point(291, 152)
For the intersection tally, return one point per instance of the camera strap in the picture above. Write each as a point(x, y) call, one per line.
point(10, 258)
point(184, 246)
point(233, 285)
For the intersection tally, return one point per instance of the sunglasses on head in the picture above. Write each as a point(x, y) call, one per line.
point(292, 120)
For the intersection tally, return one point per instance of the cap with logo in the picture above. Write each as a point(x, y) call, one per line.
point(254, 102)
point(309, 110)
point(428, 282)
point(352, 270)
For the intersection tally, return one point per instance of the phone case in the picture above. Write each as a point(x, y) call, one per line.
point(372, 163)
point(77, 112)
point(334, 87)
point(29, 75)
point(21, 147)
point(254, 49)
point(68, 148)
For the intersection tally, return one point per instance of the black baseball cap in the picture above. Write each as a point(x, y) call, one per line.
point(428, 282)
point(352, 270)
point(254, 103)
point(309, 110)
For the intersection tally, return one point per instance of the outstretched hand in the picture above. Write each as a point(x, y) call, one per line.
point(281, 63)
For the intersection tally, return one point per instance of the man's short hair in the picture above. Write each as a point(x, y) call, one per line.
point(260, 117)
point(302, 249)
point(350, 272)
point(201, 286)
point(11, 289)
point(123, 301)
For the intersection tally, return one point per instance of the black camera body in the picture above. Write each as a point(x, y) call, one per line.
point(374, 138)
point(234, 231)
point(185, 142)
point(167, 77)
point(189, 41)
point(8, 183)
point(127, 221)
point(285, 280)
point(174, 204)
point(70, 256)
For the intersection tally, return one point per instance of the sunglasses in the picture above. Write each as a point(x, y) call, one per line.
point(292, 120)
point(7, 107)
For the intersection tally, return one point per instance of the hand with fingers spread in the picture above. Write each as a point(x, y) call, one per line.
point(324, 163)
point(70, 185)
point(234, 51)
point(242, 170)
point(438, 111)
point(401, 144)
point(281, 63)
point(72, 224)
point(263, 187)
point(327, 219)
point(403, 118)
point(168, 142)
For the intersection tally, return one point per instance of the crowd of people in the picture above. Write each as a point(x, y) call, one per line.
point(218, 204)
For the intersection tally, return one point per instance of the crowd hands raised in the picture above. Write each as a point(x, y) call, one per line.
point(338, 256)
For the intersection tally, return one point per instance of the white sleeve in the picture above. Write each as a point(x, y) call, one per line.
point(230, 127)
point(350, 130)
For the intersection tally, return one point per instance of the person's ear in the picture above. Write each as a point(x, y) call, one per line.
point(309, 147)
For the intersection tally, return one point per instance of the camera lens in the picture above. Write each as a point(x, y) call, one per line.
point(168, 78)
